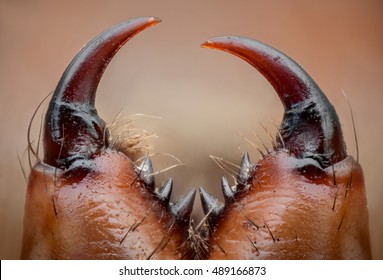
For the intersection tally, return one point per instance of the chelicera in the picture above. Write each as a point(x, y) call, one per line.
point(86, 199)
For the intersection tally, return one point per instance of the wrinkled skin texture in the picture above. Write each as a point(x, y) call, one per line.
point(107, 214)
point(87, 200)
point(289, 213)
point(306, 198)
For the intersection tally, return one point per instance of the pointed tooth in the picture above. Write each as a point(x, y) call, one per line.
point(245, 169)
point(227, 191)
point(183, 208)
point(211, 206)
point(145, 171)
point(165, 192)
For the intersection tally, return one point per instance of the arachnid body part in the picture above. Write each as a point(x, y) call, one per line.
point(86, 199)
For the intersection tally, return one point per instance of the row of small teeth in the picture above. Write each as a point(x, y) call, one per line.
point(182, 209)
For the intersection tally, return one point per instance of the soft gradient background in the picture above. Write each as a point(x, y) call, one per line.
point(204, 97)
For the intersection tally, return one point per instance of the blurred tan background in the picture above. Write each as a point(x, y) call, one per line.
point(204, 97)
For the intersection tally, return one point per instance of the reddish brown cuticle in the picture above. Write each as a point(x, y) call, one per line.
point(305, 199)
point(86, 200)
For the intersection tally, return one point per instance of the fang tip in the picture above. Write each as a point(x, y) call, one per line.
point(310, 126)
point(72, 128)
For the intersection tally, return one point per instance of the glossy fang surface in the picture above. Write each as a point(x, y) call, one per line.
point(305, 199)
point(86, 200)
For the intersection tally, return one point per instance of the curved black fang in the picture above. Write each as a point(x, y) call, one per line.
point(72, 129)
point(310, 126)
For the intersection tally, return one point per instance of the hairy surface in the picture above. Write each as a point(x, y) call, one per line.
point(341, 52)
point(290, 211)
point(108, 214)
